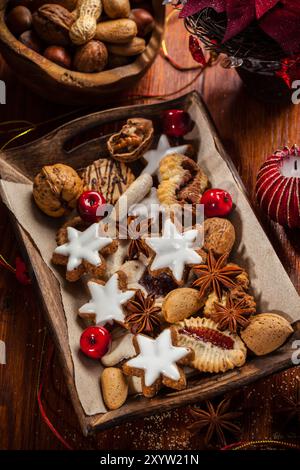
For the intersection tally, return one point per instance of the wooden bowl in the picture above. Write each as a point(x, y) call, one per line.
point(64, 86)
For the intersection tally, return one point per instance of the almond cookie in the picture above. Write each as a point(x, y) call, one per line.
point(114, 387)
point(219, 235)
point(107, 300)
point(215, 351)
point(109, 177)
point(156, 363)
point(180, 304)
point(132, 141)
point(81, 251)
point(266, 333)
point(182, 181)
point(56, 189)
point(121, 349)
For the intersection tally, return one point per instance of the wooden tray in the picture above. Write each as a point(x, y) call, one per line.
point(20, 165)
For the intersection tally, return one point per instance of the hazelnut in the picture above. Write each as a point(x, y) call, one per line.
point(91, 57)
point(19, 19)
point(144, 21)
point(59, 55)
point(32, 41)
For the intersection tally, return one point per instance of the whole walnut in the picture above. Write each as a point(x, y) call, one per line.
point(56, 189)
point(91, 57)
point(52, 24)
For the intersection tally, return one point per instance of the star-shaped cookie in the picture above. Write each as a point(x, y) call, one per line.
point(173, 250)
point(81, 251)
point(106, 302)
point(153, 157)
point(156, 363)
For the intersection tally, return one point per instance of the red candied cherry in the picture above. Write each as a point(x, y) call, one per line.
point(217, 203)
point(176, 123)
point(95, 341)
point(88, 206)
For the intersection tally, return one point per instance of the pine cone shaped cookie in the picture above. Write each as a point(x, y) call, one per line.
point(56, 189)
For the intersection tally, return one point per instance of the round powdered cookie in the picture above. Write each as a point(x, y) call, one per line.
point(109, 177)
point(219, 235)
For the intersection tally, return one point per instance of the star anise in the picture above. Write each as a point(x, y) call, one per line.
point(215, 421)
point(232, 315)
point(289, 406)
point(142, 316)
point(137, 243)
point(215, 275)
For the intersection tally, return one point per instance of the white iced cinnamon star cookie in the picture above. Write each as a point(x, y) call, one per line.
point(174, 250)
point(156, 363)
point(106, 302)
point(83, 246)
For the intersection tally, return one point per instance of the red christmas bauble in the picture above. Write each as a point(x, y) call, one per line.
point(217, 203)
point(95, 341)
point(176, 122)
point(89, 205)
point(278, 187)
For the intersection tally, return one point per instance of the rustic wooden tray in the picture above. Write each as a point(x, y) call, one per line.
point(20, 165)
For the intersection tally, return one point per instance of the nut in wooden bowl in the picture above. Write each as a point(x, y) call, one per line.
point(54, 24)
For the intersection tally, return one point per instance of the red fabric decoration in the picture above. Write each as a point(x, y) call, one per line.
point(21, 272)
point(282, 23)
point(196, 50)
point(279, 19)
point(290, 70)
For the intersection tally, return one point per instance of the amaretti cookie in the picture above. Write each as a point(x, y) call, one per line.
point(219, 235)
point(215, 351)
point(266, 333)
point(156, 363)
point(56, 189)
point(109, 177)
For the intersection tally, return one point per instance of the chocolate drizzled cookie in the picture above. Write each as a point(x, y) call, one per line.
point(109, 177)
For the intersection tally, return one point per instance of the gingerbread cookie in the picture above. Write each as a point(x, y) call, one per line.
point(173, 251)
point(132, 141)
point(182, 181)
point(109, 177)
point(56, 189)
point(219, 235)
point(156, 362)
point(81, 252)
point(107, 300)
point(215, 351)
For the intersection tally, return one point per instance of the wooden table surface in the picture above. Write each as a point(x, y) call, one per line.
point(250, 130)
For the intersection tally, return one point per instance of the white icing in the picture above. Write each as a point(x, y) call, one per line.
point(83, 246)
point(153, 157)
point(106, 301)
point(174, 250)
point(158, 357)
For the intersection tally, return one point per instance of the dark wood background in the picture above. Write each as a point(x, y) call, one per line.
point(250, 130)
